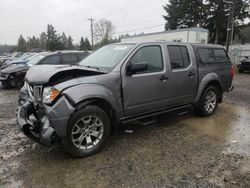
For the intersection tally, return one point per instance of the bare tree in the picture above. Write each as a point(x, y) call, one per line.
point(103, 30)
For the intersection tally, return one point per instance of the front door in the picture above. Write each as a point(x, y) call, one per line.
point(142, 90)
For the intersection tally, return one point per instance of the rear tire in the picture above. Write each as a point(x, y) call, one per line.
point(87, 131)
point(208, 102)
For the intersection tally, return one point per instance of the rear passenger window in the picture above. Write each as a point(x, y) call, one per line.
point(185, 56)
point(179, 57)
point(51, 60)
point(150, 55)
point(206, 55)
point(74, 59)
point(220, 55)
point(66, 59)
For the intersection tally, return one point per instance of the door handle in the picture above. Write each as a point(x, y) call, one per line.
point(163, 78)
point(191, 75)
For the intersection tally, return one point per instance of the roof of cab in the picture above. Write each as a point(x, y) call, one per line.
point(48, 53)
point(172, 43)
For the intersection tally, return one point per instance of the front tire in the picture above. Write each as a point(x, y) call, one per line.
point(208, 102)
point(87, 131)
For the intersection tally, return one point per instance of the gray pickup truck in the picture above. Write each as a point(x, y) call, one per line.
point(80, 105)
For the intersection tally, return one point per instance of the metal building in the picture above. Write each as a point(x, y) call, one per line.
point(238, 52)
point(193, 35)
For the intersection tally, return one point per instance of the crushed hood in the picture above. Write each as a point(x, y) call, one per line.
point(14, 68)
point(54, 74)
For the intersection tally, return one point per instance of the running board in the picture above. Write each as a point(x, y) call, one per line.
point(155, 113)
point(146, 121)
point(183, 113)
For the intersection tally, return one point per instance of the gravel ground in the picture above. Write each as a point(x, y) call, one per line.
point(176, 151)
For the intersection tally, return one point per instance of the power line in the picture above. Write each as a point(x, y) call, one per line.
point(138, 29)
point(138, 22)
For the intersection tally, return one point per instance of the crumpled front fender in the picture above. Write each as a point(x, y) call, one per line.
point(84, 92)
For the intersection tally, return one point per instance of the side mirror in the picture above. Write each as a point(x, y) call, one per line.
point(138, 67)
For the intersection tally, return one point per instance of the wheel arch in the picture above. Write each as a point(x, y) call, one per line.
point(104, 105)
point(94, 94)
point(209, 80)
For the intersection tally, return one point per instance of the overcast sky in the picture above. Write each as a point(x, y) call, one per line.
point(30, 17)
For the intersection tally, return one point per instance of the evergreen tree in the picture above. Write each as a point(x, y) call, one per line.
point(211, 14)
point(82, 44)
point(64, 40)
point(174, 14)
point(32, 43)
point(43, 41)
point(218, 16)
point(69, 45)
point(21, 44)
point(53, 39)
point(87, 43)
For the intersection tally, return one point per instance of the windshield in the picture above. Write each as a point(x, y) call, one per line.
point(26, 56)
point(34, 60)
point(107, 57)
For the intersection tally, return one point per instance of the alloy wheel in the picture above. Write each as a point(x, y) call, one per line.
point(210, 101)
point(87, 132)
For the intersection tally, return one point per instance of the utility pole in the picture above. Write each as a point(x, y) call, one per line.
point(232, 25)
point(229, 26)
point(92, 32)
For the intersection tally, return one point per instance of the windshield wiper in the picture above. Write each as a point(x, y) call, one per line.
point(93, 67)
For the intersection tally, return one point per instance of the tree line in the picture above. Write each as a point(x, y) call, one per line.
point(214, 15)
point(51, 41)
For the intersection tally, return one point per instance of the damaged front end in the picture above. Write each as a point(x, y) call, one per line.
point(35, 127)
point(44, 110)
point(42, 122)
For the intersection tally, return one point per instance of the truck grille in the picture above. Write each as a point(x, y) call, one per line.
point(35, 92)
point(30, 90)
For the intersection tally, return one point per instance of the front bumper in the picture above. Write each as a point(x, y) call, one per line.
point(48, 122)
point(38, 130)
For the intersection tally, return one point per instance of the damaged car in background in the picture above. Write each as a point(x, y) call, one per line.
point(13, 75)
point(81, 105)
point(244, 65)
point(21, 60)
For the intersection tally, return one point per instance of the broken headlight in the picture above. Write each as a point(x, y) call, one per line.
point(49, 94)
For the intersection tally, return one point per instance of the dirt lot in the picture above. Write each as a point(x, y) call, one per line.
point(177, 151)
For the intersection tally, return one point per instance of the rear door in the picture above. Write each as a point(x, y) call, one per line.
point(74, 58)
point(182, 77)
point(66, 58)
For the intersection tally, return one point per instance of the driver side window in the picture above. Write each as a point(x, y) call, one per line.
point(152, 56)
